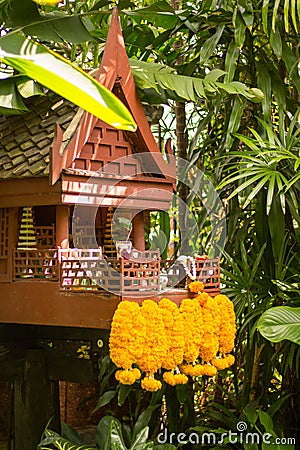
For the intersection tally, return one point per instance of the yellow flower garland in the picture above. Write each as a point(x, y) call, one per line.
point(127, 335)
point(227, 325)
point(174, 332)
point(155, 344)
point(192, 322)
point(196, 338)
point(211, 323)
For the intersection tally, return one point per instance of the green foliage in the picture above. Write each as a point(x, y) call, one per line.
point(279, 323)
point(237, 61)
point(54, 439)
point(37, 62)
point(153, 76)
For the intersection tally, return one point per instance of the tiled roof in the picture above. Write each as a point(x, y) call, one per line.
point(25, 139)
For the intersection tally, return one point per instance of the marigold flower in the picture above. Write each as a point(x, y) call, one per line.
point(127, 335)
point(151, 384)
point(168, 378)
point(174, 333)
point(209, 345)
point(223, 363)
point(174, 379)
point(193, 325)
point(155, 345)
point(196, 286)
point(127, 376)
point(180, 378)
point(209, 371)
point(220, 363)
point(230, 360)
point(197, 370)
point(227, 325)
point(186, 369)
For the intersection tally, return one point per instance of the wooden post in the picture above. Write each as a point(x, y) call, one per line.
point(62, 226)
point(139, 231)
point(36, 401)
point(12, 240)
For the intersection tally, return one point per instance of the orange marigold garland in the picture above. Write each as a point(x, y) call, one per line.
point(209, 345)
point(127, 335)
point(192, 321)
point(227, 325)
point(174, 332)
point(155, 345)
point(195, 338)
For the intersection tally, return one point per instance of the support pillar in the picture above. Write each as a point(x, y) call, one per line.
point(139, 231)
point(62, 226)
point(36, 401)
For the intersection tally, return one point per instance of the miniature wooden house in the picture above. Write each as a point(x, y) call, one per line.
point(59, 276)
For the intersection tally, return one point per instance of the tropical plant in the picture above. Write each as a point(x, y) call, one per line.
point(37, 62)
point(216, 54)
point(279, 323)
point(110, 434)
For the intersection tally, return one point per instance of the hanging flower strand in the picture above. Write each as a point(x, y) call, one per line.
point(128, 332)
point(211, 324)
point(174, 331)
point(193, 340)
point(193, 325)
point(155, 344)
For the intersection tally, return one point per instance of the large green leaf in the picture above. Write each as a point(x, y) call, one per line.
point(56, 73)
point(10, 99)
point(143, 420)
point(105, 399)
point(160, 13)
point(103, 433)
point(140, 442)
point(279, 323)
point(53, 26)
point(55, 440)
point(151, 75)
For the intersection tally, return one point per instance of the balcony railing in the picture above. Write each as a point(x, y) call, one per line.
point(36, 264)
point(88, 270)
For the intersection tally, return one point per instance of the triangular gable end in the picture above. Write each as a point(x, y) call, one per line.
point(94, 143)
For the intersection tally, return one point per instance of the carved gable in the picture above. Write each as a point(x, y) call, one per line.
point(106, 145)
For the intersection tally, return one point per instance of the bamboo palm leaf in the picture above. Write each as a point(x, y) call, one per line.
point(270, 192)
point(231, 59)
point(210, 45)
point(294, 14)
point(151, 76)
point(255, 191)
point(234, 120)
point(286, 14)
point(265, 8)
point(274, 15)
